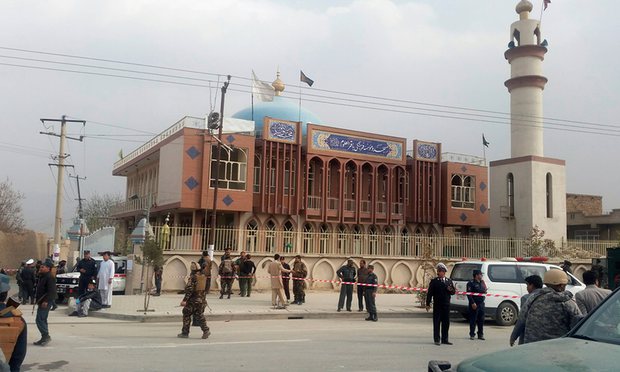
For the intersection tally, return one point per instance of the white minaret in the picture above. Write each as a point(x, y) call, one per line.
point(527, 189)
point(526, 84)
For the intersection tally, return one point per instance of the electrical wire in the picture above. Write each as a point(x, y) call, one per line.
point(446, 114)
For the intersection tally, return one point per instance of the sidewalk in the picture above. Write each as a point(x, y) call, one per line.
point(319, 305)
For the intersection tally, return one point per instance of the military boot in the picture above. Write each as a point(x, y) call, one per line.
point(206, 334)
point(43, 341)
point(370, 317)
point(183, 335)
point(374, 317)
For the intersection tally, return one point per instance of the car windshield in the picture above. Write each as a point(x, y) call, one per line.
point(463, 272)
point(604, 324)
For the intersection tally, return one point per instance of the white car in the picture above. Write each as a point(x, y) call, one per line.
point(505, 278)
point(67, 284)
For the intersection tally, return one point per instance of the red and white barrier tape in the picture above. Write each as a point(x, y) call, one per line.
point(404, 288)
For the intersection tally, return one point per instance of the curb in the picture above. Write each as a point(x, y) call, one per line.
point(258, 316)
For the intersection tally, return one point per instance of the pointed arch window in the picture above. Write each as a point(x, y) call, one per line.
point(463, 191)
point(510, 183)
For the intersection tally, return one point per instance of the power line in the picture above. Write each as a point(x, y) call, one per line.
point(584, 129)
point(114, 126)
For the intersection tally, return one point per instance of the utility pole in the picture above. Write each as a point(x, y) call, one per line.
point(217, 171)
point(61, 168)
point(80, 213)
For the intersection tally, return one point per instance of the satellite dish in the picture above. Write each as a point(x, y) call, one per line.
point(213, 120)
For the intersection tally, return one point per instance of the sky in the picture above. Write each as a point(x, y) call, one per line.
point(445, 53)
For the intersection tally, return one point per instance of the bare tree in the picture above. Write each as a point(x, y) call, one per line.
point(97, 214)
point(11, 217)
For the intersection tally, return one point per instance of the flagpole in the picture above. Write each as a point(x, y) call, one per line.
point(484, 154)
point(252, 105)
point(542, 9)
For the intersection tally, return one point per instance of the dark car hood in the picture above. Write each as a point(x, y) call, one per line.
point(563, 354)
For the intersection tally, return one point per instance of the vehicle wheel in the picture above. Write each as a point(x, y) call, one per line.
point(506, 314)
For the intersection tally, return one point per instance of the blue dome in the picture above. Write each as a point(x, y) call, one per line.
point(280, 108)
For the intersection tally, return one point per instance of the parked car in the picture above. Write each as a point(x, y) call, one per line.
point(67, 284)
point(506, 278)
point(589, 346)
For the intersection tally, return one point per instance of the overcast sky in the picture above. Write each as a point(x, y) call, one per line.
point(439, 52)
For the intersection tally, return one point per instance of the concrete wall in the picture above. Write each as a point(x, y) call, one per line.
point(402, 271)
point(15, 248)
point(530, 208)
point(170, 172)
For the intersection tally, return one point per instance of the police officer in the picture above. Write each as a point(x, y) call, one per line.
point(194, 302)
point(88, 271)
point(346, 274)
point(440, 289)
point(371, 293)
point(551, 311)
point(476, 305)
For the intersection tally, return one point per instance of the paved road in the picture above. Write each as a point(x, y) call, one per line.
point(267, 345)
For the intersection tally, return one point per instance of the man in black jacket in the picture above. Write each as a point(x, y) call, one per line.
point(88, 271)
point(28, 279)
point(347, 274)
point(46, 294)
point(440, 290)
point(90, 300)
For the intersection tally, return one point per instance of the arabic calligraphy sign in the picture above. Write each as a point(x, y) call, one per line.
point(356, 146)
point(281, 130)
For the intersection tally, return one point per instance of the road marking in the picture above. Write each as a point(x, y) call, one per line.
point(205, 343)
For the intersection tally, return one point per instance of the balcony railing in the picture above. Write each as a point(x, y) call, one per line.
point(132, 205)
point(333, 204)
point(349, 205)
point(398, 208)
point(196, 239)
point(186, 122)
point(381, 207)
point(365, 206)
point(314, 202)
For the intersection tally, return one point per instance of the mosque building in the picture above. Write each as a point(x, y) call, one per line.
point(286, 180)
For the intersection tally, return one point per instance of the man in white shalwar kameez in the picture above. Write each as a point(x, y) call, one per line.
point(104, 278)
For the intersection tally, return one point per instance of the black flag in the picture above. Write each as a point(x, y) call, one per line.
point(305, 79)
point(485, 143)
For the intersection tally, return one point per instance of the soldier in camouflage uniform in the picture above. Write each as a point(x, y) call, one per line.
point(194, 302)
point(300, 271)
point(550, 312)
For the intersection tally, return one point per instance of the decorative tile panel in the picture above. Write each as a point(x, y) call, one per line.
point(340, 143)
point(426, 151)
point(483, 186)
point(191, 183)
point(192, 152)
point(228, 200)
point(463, 217)
point(483, 208)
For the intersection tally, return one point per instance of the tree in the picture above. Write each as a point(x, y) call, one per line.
point(97, 214)
point(11, 218)
point(537, 245)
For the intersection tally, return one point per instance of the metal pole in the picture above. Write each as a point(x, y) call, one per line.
point(217, 171)
point(59, 185)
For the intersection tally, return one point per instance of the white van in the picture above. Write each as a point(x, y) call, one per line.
point(506, 278)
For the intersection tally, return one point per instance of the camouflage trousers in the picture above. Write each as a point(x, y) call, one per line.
point(298, 290)
point(196, 310)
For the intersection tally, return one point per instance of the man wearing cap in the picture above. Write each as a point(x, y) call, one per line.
point(28, 279)
point(46, 294)
point(551, 311)
point(104, 277)
point(87, 267)
point(14, 329)
point(300, 271)
point(533, 284)
point(440, 290)
point(347, 274)
point(476, 305)
point(370, 294)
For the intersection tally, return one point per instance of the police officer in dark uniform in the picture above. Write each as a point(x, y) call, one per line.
point(88, 271)
point(476, 305)
point(440, 289)
point(194, 302)
point(370, 293)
